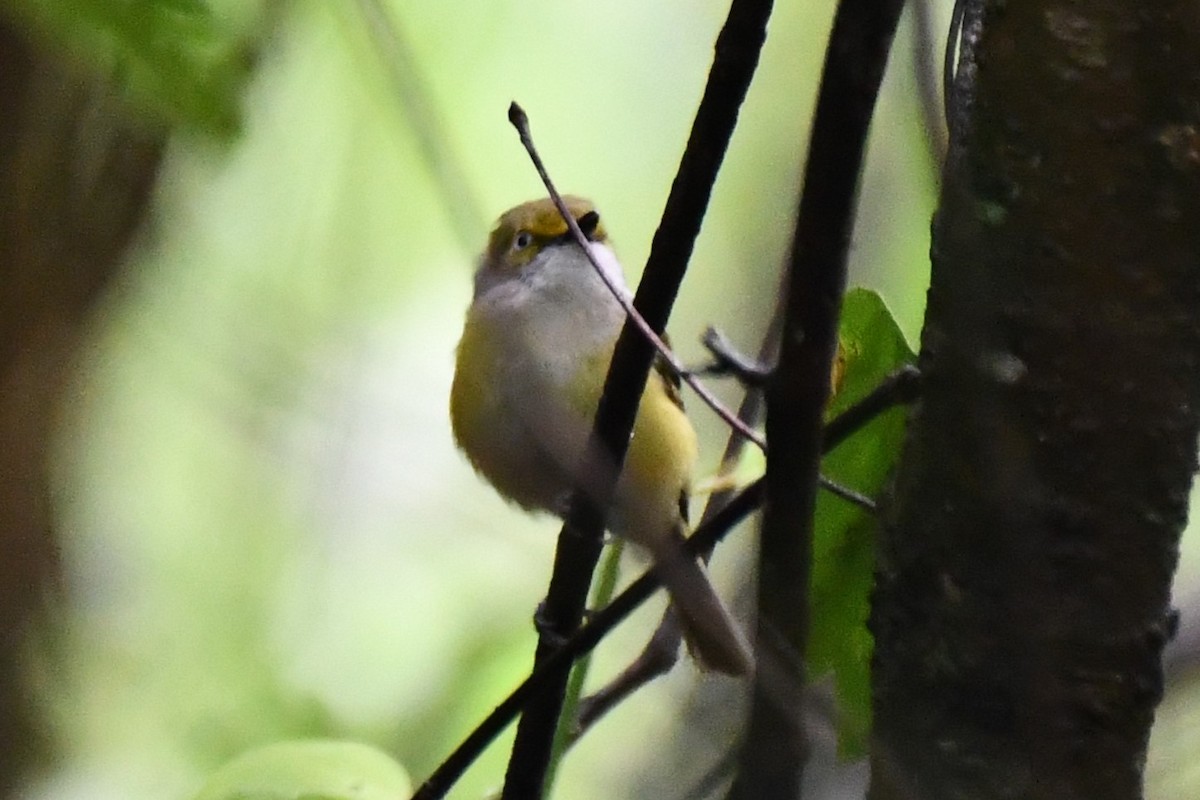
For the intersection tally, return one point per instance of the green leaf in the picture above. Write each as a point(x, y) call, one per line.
point(844, 544)
point(173, 57)
point(315, 769)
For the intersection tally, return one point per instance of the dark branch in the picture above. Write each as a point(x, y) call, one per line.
point(546, 673)
point(775, 748)
point(902, 386)
point(737, 52)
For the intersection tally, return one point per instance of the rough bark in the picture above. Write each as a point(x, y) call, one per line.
point(1022, 598)
point(75, 174)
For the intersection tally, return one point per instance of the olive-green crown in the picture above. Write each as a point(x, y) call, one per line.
point(522, 231)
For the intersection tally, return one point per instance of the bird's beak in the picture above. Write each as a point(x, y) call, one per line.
point(587, 223)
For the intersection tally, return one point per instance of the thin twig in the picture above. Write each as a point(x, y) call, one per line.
point(846, 493)
point(925, 43)
point(958, 76)
point(775, 748)
point(520, 121)
point(433, 138)
point(901, 386)
point(710, 531)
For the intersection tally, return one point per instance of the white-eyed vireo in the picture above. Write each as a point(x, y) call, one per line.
point(530, 369)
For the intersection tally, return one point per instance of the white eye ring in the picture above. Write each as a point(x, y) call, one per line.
point(522, 240)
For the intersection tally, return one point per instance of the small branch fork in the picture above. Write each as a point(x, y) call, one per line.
point(899, 388)
point(728, 361)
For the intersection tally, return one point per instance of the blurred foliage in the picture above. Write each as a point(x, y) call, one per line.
point(173, 57)
point(268, 533)
point(309, 770)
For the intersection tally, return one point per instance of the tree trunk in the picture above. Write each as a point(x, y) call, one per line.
point(1023, 585)
point(75, 175)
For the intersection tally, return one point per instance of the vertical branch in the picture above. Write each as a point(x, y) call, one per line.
point(1022, 596)
point(736, 57)
point(773, 754)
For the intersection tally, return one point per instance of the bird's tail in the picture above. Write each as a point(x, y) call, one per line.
point(714, 637)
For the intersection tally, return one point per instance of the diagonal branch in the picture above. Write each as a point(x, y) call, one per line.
point(737, 51)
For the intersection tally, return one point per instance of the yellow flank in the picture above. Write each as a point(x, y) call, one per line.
point(661, 458)
point(528, 376)
point(658, 464)
point(662, 451)
point(487, 430)
point(471, 395)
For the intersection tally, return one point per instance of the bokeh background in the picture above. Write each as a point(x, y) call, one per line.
point(261, 525)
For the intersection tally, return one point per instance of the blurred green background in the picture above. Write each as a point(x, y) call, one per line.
point(266, 531)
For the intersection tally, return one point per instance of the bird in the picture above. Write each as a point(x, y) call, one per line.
point(529, 371)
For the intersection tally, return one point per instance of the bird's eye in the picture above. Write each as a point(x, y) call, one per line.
point(523, 240)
